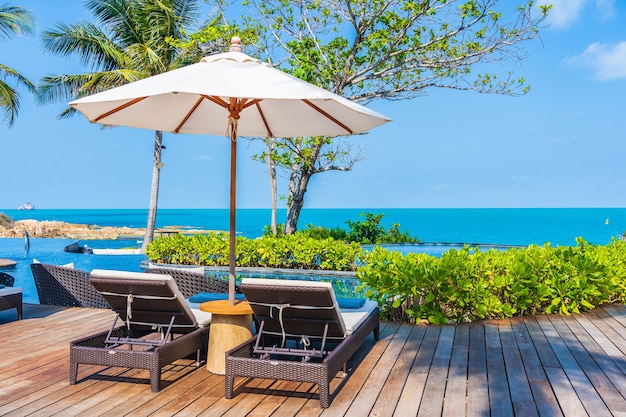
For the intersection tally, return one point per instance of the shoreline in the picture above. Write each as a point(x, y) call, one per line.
point(64, 230)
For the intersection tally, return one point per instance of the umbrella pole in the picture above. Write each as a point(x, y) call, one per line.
point(233, 209)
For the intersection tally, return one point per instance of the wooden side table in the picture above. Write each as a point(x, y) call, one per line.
point(230, 326)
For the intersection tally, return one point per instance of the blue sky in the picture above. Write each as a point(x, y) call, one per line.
point(561, 145)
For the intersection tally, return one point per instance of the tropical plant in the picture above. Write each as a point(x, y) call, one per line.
point(14, 20)
point(130, 40)
point(367, 231)
point(468, 284)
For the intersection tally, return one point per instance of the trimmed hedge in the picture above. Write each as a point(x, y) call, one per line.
point(291, 252)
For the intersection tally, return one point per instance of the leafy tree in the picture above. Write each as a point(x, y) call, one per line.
point(367, 50)
point(129, 42)
point(14, 20)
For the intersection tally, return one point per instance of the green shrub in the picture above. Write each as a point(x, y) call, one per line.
point(467, 285)
point(293, 252)
point(368, 231)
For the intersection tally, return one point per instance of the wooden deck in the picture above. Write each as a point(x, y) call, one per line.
point(535, 366)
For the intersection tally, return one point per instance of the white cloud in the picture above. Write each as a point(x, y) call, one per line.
point(440, 187)
point(606, 8)
point(608, 62)
point(566, 12)
point(563, 12)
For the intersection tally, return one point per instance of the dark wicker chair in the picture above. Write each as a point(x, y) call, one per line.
point(302, 334)
point(191, 283)
point(63, 286)
point(6, 279)
point(158, 326)
point(10, 297)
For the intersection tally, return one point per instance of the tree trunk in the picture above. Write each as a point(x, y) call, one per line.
point(298, 183)
point(293, 213)
point(271, 166)
point(154, 191)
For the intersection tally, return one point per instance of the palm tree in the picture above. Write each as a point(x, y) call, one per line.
point(131, 41)
point(14, 20)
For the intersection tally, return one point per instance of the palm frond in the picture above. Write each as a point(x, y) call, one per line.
point(8, 72)
point(15, 20)
point(64, 87)
point(9, 103)
point(91, 44)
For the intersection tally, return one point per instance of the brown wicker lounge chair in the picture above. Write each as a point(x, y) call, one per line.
point(303, 335)
point(158, 325)
point(64, 286)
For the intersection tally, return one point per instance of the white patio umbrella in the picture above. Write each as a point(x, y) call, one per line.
point(233, 94)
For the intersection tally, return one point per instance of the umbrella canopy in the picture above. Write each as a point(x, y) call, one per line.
point(234, 94)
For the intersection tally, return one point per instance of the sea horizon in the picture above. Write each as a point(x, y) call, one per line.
point(505, 226)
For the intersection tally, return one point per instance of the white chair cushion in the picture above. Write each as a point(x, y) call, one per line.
point(353, 318)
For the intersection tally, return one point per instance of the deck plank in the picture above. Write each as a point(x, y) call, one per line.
point(499, 396)
point(543, 395)
point(392, 389)
point(544, 365)
point(369, 392)
point(519, 385)
point(435, 388)
point(412, 392)
point(477, 384)
point(454, 403)
point(584, 389)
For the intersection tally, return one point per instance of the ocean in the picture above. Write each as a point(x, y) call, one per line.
point(519, 227)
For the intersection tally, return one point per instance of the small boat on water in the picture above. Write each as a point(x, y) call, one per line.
point(27, 206)
point(77, 248)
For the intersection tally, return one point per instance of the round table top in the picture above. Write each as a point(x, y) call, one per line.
point(224, 307)
point(5, 263)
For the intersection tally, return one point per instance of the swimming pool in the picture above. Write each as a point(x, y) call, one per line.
point(51, 251)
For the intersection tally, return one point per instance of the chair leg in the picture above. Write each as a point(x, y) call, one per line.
point(229, 383)
point(324, 389)
point(73, 372)
point(155, 379)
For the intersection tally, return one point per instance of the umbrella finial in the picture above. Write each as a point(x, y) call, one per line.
point(235, 44)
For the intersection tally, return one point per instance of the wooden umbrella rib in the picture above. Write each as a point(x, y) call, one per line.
point(188, 115)
point(217, 100)
point(267, 127)
point(329, 117)
point(122, 107)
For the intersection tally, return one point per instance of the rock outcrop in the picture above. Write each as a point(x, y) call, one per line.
point(57, 229)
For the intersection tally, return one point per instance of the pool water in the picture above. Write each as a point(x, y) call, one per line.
point(50, 251)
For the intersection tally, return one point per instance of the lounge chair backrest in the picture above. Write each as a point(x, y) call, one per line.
point(144, 298)
point(295, 307)
point(191, 283)
point(64, 286)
